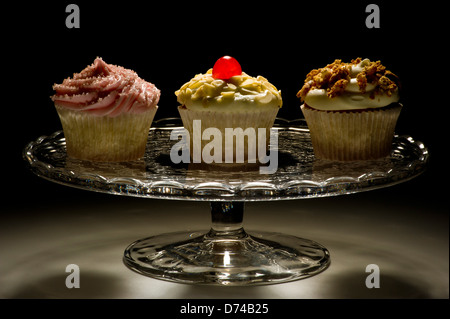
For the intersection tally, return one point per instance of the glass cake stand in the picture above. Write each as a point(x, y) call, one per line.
point(227, 254)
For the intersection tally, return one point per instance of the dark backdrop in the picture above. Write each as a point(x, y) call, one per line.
point(167, 44)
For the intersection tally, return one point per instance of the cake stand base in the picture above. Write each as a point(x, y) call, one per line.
point(227, 254)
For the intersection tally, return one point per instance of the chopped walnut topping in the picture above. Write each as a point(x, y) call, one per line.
point(337, 88)
point(335, 77)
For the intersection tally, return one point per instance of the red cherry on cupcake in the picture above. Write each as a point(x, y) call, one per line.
point(226, 67)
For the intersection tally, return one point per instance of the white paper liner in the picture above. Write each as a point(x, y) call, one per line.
point(103, 138)
point(209, 119)
point(352, 135)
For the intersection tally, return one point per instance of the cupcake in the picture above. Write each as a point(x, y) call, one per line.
point(106, 112)
point(351, 110)
point(226, 100)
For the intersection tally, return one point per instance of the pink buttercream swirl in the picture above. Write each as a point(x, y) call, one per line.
point(106, 90)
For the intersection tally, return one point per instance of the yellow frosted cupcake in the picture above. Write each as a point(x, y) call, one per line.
point(227, 99)
point(351, 110)
point(106, 112)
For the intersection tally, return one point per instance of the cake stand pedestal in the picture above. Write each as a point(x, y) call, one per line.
point(227, 254)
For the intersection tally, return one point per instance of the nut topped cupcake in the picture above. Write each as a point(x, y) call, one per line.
point(106, 112)
point(351, 109)
point(225, 97)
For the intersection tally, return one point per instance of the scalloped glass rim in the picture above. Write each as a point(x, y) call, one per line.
point(299, 174)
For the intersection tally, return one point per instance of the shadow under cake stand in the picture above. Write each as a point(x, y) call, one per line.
point(227, 254)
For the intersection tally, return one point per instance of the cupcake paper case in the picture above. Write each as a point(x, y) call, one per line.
point(351, 110)
point(106, 112)
point(225, 97)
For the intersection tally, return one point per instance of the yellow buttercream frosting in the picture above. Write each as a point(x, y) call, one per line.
point(237, 93)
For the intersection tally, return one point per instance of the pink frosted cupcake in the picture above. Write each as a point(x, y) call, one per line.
point(106, 112)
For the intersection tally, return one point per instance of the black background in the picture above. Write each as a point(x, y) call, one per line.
point(168, 43)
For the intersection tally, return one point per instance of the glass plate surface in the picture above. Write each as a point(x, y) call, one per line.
point(299, 174)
